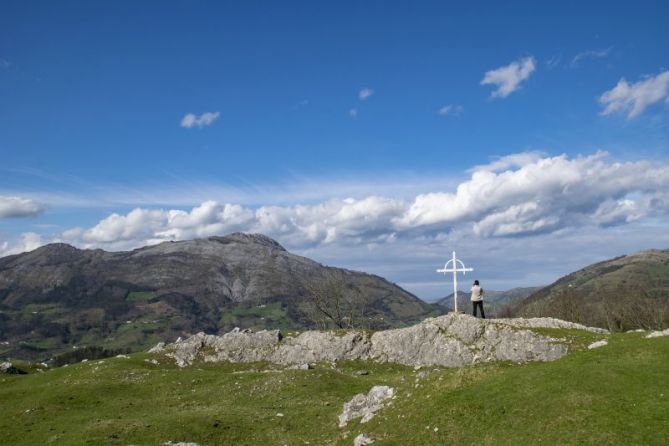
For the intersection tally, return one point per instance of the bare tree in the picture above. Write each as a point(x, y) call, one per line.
point(334, 301)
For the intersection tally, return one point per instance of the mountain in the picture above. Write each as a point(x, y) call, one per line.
point(58, 296)
point(494, 301)
point(623, 293)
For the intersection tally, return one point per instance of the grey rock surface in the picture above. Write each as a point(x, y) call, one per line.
point(549, 322)
point(658, 334)
point(453, 340)
point(362, 440)
point(598, 344)
point(8, 368)
point(365, 406)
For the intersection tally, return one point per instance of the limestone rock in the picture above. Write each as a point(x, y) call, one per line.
point(657, 334)
point(548, 322)
point(159, 347)
point(8, 368)
point(598, 344)
point(362, 440)
point(453, 340)
point(365, 406)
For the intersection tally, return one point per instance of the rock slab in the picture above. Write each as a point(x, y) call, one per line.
point(365, 406)
point(453, 340)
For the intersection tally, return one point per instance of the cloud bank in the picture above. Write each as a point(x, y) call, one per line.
point(509, 77)
point(515, 196)
point(633, 99)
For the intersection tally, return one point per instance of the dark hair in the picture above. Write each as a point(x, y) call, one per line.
point(476, 282)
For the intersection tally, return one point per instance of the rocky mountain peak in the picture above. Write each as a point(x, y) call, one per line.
point(240, 237)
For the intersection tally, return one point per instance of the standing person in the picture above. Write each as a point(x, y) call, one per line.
point(477, 298)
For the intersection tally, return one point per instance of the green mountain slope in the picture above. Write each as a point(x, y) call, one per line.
point(613, 395)
point(58, 297)
point(624, 293)
point(494, 301)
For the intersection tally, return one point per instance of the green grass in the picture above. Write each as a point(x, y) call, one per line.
point(616, 394)
point(141, 295)
point(257, 316)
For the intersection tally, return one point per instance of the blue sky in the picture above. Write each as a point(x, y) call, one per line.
point(302, 111)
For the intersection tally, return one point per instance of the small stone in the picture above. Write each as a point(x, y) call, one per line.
point(598, 344)
point(279, 414)
point(362, 440)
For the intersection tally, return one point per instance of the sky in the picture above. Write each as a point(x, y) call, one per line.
point(532, 139)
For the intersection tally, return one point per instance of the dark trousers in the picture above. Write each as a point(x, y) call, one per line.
point(480, 305)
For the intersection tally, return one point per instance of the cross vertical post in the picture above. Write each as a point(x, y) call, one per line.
point(455, 270)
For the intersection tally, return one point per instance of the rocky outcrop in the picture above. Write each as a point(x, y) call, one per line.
point(658, 334)
point(365, 406)
point(10, 369)
point(453, 340)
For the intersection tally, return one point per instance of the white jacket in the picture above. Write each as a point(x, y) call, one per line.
point(477, 293)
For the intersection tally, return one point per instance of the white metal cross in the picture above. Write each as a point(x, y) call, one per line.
point(455, 270)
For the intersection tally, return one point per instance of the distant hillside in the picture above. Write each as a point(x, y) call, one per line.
point(494, 301)
point(58, 296)
point(623, 293)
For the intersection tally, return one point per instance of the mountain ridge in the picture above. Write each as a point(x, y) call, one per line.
point(59, 296)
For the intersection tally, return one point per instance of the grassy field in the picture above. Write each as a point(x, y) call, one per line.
point(618, 394)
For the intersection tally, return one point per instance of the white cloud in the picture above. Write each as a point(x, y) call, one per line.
point(27, 242)
point(508, 78)
point(516, 195)
point(450, 110)
point(207, 118)
point(365, 94)
point(508, 161)
point(542, 195)
point(634, 98)
point(590, 54)
point(353, 113)
point(15, 207)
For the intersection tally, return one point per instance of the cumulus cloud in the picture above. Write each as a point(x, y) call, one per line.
point(353, 113)
point(191, 120)
point(26, 242)
point(509, 77)
point(365, 94)
point(16, 207)
point(543, 195)
point(590, 54)
point(634, 98)
point(450, 110)
point(517, 195)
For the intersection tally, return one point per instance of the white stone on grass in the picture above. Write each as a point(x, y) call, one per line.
point(365, 406)
point(362, 440)
point(598, 344)
point(658, 334)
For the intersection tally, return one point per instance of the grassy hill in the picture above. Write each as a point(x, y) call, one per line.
point(623, 293)
point(616, 394)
